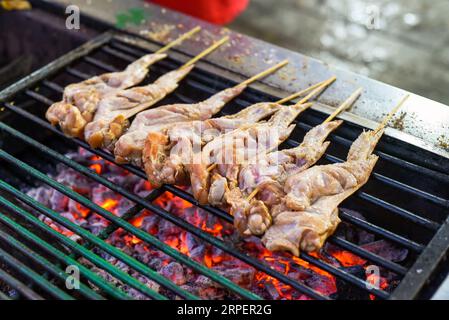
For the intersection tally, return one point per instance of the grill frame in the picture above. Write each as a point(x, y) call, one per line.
point(409, 286)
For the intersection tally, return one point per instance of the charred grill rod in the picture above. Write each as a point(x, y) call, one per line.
point(223, 215)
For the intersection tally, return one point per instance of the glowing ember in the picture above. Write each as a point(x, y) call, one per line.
point(84, 212)
point(199, 251)
point(109, 204)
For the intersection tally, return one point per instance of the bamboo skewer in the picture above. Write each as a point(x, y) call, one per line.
point(264, 73)
point(205, 52)
point(316, 89)
point(299, 93)
point(142, 106)
point(179, 40)
point(385, 121)
point(252, 194)
point(345, 105)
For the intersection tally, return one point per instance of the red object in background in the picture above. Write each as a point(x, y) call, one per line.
point(215, 11)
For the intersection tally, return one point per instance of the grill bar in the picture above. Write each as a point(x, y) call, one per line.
point(363, 195)
point(201, 81)
point(28, 273)
point(88, 274)
point(137, 52)
point(4, 296)
point(131, 213)
point(345, 216)
point(137, 171)
point(45, 264)
point(382, 262)
point(19, 286)
point(71, 244)
point(341, 140)
point(140, 267)
point(178, 222)
point(153, 208)
point(223, 281)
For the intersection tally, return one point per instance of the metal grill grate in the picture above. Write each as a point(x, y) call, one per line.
point(413, 220)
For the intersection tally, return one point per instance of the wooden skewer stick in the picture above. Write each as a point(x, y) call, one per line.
point(317, 88)
point(179, 40)
point(205, 52)
point(252, 194)
point(263, 73)
point(385, 121)
point(299, 93)
point(138, 107)
point(212, 167)
point(142, 106)
point(345, 105)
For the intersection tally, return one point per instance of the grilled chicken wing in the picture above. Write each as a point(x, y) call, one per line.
point(268, 175)
point(167, 153)
point(80, 100)
point(111, 118)
point(230, 150)
point(308, 215)
point(130, 146)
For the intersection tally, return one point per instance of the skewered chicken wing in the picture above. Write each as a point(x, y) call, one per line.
point(309, 213)
point(111, 117)
point(80, 100)
point(166, 153)
point(229, 150)
point(268, 175)
point(129, 146)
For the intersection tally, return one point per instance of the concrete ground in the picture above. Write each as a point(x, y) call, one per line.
point(402, 42)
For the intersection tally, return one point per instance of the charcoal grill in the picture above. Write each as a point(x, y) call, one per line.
point(405, 201)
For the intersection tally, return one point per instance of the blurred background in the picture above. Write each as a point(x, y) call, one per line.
point(402, 42)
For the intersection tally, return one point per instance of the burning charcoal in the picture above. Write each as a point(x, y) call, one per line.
point(324, 285)
point(155, 263)
point(387, 250)
point(105, 197)
point(70, 216)
point(275, 293)
point(242, 276)
point(207, 289)
point(351, 233)
point(58, 201)
point(191, 241)
point(217, 255)
point(365, 237)
point(74, 180)
point(96, 224)
point(123, 206)
point(141, 188)
point(136, 294)
point(150, 223)
point(346, 291)
point(166, 228)
point(198, 253)
point(175, 272)
point(41, 194)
